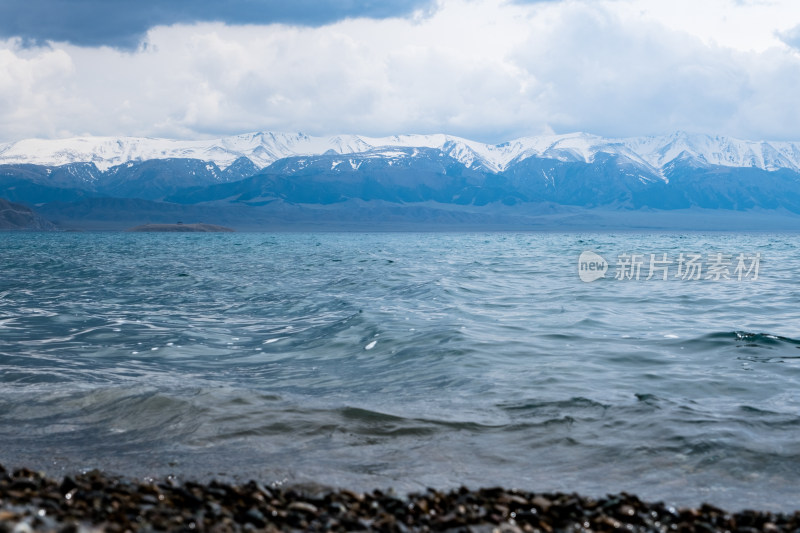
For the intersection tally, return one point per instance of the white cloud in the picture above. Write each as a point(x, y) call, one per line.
point(746, 25)
point(480, 68)
point(611, 77)
point(35, 91)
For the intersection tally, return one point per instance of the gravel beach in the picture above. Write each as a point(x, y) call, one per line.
point(93, 501)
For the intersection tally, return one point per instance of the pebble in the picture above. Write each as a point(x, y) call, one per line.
point(92, 502)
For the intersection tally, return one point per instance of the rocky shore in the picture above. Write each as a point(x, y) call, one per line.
point(19, 217)
point(93, 501)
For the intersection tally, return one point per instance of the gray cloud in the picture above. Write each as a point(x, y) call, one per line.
point(791, 37)
point(122, 23)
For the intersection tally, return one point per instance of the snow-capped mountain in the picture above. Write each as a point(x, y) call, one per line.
point(264, 174)
point(264, 148)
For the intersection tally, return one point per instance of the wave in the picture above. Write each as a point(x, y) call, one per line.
point(757, 347)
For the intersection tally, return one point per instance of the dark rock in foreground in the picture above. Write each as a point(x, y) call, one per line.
point(31, 502)
point(181, 228)
point(19, 217)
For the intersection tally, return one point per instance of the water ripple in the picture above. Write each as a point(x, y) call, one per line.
point(403, 359)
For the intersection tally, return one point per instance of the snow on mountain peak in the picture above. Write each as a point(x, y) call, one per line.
point(264, 148)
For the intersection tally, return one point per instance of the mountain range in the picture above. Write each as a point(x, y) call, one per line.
point(264, 179)
point(263, 149)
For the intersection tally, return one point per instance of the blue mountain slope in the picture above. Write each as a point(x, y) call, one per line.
point(405, 176)
point(149, 180)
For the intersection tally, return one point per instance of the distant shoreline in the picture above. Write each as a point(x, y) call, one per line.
point(181, 228)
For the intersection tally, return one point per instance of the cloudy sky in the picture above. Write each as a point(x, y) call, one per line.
point(490, 70)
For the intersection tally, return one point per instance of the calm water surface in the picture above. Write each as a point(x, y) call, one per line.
point(405, 360)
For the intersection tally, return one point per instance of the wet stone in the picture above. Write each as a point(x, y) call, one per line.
point(302, 507)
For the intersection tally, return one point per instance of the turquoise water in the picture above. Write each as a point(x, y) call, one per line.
point(405, 360)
